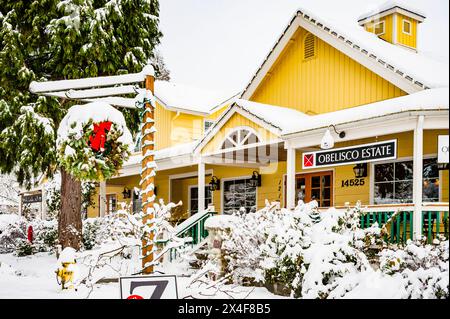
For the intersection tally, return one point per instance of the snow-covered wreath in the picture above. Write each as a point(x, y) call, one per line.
point(93, 141)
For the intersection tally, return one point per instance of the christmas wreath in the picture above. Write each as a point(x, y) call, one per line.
point(93, 141)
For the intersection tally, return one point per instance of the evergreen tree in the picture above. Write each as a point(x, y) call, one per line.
point(54, 40)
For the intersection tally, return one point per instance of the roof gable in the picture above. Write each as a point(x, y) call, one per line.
point(409, 71)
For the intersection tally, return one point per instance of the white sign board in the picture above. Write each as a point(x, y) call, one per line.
point(443, 149)
point(149, 287)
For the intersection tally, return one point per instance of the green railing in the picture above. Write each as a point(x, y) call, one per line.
point(194, 228)
point(399, 222)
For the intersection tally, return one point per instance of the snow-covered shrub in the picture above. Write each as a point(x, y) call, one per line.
point(306, 251)
point(11, 233)
point(424, 268)
point(24, 248)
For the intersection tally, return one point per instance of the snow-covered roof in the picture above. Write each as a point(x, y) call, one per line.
point(279, 117)
point(174, 151)
point(187, 98)
point(404, 66)
point(391, 4)
point(427, 100)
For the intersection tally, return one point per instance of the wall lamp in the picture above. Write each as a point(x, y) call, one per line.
point(360, 170)
point(255, 180)
point(126, 193)
point(214, 184)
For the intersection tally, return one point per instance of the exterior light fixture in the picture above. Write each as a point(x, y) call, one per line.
point(126, 193)
point(328, 140)
point(214, 184)
point(360, 170)
point(255, 180)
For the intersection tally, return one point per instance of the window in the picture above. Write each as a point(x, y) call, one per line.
point(406, 26)
point(378, 28)
point(394, 182)
point(239, 194)
point(240, 137)
point(111, 204)
point(208, 124)
point(309, 46)
point(193, 199)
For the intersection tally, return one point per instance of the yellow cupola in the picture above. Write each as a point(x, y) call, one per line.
point(394, 22)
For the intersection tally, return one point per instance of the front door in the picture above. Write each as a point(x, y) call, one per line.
point(315, 186)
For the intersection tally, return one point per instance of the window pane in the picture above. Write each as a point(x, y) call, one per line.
point(239, 194)
point(430, 168)
point(315, 194)
point(326, 180)
point(406, 26)
point(404, 171)
point(326, 193)
point(315, 181)
point(403, 192)
point(384, 172)
point(384, 193)
point(431, 190)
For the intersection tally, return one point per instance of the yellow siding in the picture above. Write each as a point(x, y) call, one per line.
point(331, 81)
point(163, 124)
point(186, 128)
point(235, 121)
point(409, 40)
point(218, 112)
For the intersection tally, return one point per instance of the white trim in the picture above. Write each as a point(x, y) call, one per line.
point(189, 174)
point(387, 12)
point(403, 26)
point(383, 22)
point(400, 159)
point(227, 179)
point(376, 64)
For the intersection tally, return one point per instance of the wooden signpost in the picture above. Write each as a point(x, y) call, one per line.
point(147, 175)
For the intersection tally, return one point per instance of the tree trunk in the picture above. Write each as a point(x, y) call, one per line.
point(69, 223)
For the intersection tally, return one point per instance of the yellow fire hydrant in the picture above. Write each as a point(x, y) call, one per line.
point(65, 273)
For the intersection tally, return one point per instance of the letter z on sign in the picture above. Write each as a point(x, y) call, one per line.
point(148, 287)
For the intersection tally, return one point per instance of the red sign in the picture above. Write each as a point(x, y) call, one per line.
point(308, 160)
point(135, 297)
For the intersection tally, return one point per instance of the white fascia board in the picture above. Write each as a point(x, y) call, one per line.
point(271, 58)
point(371, 62)
point(163, 164)
point(215, 128)
point(128, 103)
point(385, 125)
point(64, 85)
point(261, 122)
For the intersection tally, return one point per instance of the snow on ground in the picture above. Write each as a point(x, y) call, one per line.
point(34, 277)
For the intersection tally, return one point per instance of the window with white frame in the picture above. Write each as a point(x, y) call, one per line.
point(239, 195)
point(207, 124)
point(240, 137)
point(393, 182)
point(379, 28)
point(193, 199)
point(406, 26)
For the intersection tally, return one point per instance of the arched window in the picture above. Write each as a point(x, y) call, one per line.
point(309, 48)
point(240, 137)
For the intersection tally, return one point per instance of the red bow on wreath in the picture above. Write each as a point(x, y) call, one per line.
point(98, 138)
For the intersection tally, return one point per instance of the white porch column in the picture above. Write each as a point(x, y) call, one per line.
point(102, 199)
point(201, 185)
point(290, 178)
point(418, 178)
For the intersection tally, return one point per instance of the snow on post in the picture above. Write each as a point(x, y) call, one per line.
point(146, 104)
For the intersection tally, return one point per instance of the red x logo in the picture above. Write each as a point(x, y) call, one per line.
point(308, 160)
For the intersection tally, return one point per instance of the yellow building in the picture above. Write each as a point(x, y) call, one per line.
point(382, 105)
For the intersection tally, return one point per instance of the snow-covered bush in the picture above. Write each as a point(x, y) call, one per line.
point(306, 251)
point(424, 268)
